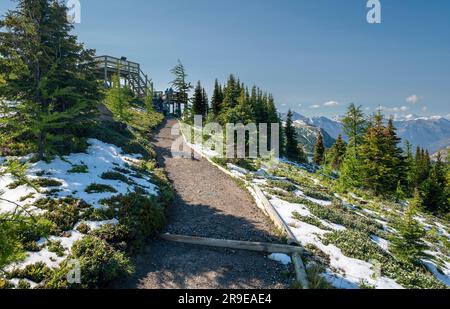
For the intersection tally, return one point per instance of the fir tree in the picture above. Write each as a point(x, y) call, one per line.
point(433, 189)
point(319, 150)
point(205, 103)
point(351, 176)
point(410, 169)
point(48, 74)
point(148, 101)
point(376, 166)
point(217, 99)
point(181, 85)
point(408, 247)
point(197, 100)
point(354, 126)
point(118, 100)
point(293, 151)
point(394, 159)
point(231, 93)
point(336, 154)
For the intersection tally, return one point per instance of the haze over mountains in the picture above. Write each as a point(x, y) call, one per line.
point(432, 133)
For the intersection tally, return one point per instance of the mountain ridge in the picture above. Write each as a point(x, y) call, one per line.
point(432, 133)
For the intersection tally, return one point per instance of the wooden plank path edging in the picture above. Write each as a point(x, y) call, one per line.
point(233, 244)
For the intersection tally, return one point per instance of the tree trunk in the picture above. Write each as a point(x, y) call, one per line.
point(41, 145)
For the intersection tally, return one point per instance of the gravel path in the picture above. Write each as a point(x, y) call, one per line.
point(208, 204)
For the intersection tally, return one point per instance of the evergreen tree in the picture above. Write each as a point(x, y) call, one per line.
point(148, 101)
point(217, 99)
point(48, 74)
point(197, 100)
point(118, 100)
point(410, 169)
point(377, 168)
point(336, 154)
point(395, 161)
point(408, 247)
point(231, 93)
point(293, 151)
point(435, 198)
point(181, 85)
point(205, 103)
point(351, 176)
point(354, 126)
point(319, 150)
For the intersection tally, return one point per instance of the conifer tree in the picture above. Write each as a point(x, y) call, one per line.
point(293, 151)
point(231, 93)
point(181, 85)
point(319, 150)
point(118, 100)
point(354, 126)
point(376, 168)
point(205, 103)
point(48, 74)
point(395, 161)
point(408, 247)
point(148, 101)
point(336, 154)
point(433, 189)
point(410, 168)
point(217, 99)
point(197, 100)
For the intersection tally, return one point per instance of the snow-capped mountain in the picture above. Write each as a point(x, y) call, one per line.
point(432, 133)
point(307, 135)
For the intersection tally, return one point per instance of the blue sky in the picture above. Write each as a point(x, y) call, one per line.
point(306, 52)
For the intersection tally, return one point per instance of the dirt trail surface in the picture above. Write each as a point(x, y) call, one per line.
point(208, 204)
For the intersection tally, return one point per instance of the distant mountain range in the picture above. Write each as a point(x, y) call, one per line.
point(432, 133)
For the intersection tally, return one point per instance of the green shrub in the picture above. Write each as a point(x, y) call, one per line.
point(116, 176)
point(99, 188)
point(285, 185)
point(36, 272)
point(78, 169)
point(83, 228)
point(65, 218)
point(317, 195)
point(23, 285)
point(220, 161)
point(29, 230)
point(46, 182)
point(143, 216)
point(316, 281)
point(116, 235)
point(57, 248)
point(100, 263)
point(310, 220)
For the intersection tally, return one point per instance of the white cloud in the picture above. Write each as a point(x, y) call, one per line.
point(331, 104)
point(425, 109)
point(394, 109)
point(315, 106)
point(413, 99)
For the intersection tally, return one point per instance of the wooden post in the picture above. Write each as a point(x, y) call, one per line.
point(106, 71)
point(300, 270)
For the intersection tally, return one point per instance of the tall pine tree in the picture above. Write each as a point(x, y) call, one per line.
point(354, 126)
point(319, 150)
point(336, 154)
point(293, 151)
point(181, 84)
point(217, 99)
point(48, 74)
point(408, 246)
